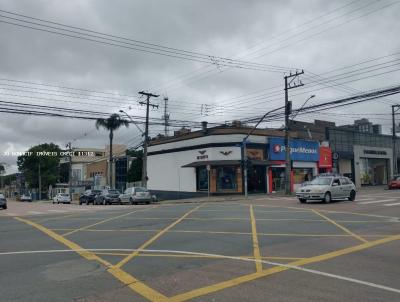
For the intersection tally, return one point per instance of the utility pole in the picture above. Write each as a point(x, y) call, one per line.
point(69, 146)
point(146, 133)
point(166, 116)
point(288, 111)
point(394, 138)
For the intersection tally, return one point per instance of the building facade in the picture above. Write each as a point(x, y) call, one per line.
point(212, 161)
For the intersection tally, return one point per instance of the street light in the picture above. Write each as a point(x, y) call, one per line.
point(302, 106)
point(141, 131)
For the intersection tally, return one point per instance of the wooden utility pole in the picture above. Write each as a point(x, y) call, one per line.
point(146, 133)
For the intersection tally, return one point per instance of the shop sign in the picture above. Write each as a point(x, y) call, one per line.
point(202, 155)
point(325, 157)
point(256, 154)
point(300, 150)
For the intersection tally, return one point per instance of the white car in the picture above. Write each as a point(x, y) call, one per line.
point(62, 198)
point(327, 188)
point(136, 195)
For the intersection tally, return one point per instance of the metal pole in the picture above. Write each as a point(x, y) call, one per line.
point(287, 148)
point(208, 181)
point(245, 166)
point(394, 169)
point(40, 184)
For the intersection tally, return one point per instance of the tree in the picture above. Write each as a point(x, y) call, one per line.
point(45, 155)
point(135, 170)
point(111, 124)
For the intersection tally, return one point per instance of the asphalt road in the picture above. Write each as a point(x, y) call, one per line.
point(260, 249)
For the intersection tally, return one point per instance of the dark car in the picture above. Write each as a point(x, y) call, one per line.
point(89, 196)
point(3, 201)
point(394, 183)
point(108, 197)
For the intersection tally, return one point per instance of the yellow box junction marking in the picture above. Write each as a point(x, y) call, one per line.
point(155, 237)
point(246, 278)
point(106, 220)
point(256, 248)
point(340, 226)
point(127, 279)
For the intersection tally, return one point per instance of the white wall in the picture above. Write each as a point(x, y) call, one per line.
point(165, 170)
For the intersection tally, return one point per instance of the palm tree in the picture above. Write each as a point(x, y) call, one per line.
point(111, 124)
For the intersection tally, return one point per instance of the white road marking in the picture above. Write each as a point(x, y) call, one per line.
point(35, 212)
point(57, 211)
point(11, 214)
point(299, 268)
point(392, 204)
point(377, 201)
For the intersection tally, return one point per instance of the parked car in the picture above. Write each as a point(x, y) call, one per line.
point(3, 201)
point(62, 198)
point(108, 197)
point(327, 188)
point(394, 183)
point(89, 196)
point(136, 195)
point(26, 197)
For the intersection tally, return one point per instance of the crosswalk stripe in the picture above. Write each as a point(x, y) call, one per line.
point(392, 204)
point(377, 201)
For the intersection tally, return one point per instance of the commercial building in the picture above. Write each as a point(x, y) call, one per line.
point(360, 151)
point(211, 160)
point(90, 168)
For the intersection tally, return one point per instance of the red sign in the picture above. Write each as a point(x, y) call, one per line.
point(325, 157)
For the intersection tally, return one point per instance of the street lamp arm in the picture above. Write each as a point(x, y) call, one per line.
point(141, 131)
point(260, 121)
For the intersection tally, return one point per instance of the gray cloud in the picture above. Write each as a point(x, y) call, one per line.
point(224, 28)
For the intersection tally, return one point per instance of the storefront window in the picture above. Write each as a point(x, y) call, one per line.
point(302, 175)
point(226, 178)
point(202, 179)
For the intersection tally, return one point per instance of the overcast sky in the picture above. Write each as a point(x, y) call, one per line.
point(316, 35)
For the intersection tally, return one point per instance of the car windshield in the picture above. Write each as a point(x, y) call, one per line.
point(64, 195)
point(320, 181)
point(140, 189)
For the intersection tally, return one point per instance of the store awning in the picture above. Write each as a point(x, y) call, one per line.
point(212, 163)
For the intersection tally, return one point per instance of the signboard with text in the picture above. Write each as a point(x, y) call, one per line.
point(300, 150)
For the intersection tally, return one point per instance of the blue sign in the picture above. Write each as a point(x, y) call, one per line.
point(300, 150)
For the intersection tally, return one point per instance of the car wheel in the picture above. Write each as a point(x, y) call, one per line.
point(5, 207)
point(302, 200)
point(352, 196)
point(327, 197)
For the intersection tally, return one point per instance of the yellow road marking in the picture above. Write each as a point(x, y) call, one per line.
point(127, 279)
point(155, 237)
point(222, 232)
point(106, 220)
point(58, 217)
point(172, 255)
point(256, 248)
point(340, 226)
point(359, 214)
point(246, 278)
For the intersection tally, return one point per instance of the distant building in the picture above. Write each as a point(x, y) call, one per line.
point(365, 126)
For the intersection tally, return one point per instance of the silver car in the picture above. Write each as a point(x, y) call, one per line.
point(136, 195)
point(327, 189)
